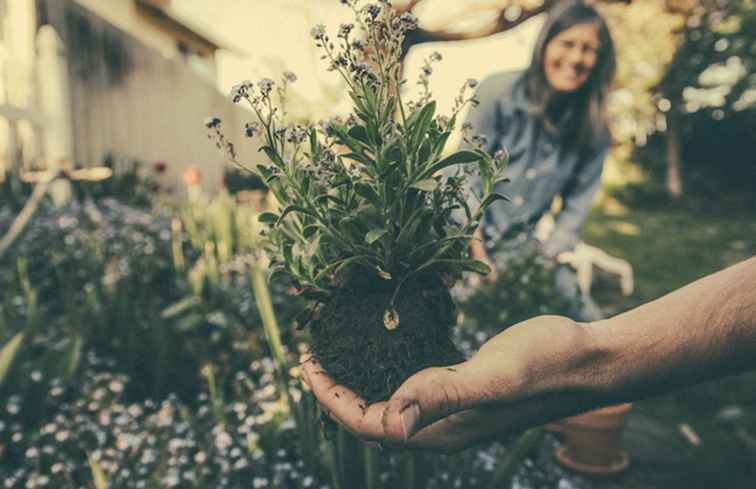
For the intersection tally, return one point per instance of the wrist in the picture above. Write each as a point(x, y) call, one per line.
point(579, 373)
point(598, 370)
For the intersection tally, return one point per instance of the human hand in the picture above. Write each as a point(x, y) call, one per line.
point(507, 386)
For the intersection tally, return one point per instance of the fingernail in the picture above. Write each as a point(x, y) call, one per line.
point(410, 417)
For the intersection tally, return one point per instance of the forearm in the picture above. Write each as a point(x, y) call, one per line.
point(577, 203)
point(699, 332)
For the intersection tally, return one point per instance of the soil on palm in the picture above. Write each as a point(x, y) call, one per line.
point(354, 346)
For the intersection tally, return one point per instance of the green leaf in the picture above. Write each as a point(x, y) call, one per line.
point(268, 217)
point(359, 133)
point(357, 102)
point(287, 256)
point(424, 152)
point(265, 172)
point(440, 243)
point(486, 175)
point(358, 157)
point(460, 157)
point(325, 197)
point(374, 235)
point(427, 185)
point(370, 100)
point(389, 109)
point(309, 230)
point(276, 272)
point(295, 208)
point(273, 155)
point(367, 192)
point(343, 137)
point(439, 143)
point(372, 132)
point(421, 126)
point(72, 357)
point(418, 218)
point(458, 265)
point(470, 265)
point(413, 119)
point(8, 353)
point(339, 264)
point(491, 198)
point(271, 179)
point(314, 145)
point(180, 307)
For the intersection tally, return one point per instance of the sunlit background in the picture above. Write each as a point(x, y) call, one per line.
point(137, 350)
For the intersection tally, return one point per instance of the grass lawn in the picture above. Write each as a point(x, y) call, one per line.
point(668, 247)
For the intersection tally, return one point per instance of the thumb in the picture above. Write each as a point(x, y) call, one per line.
point(424, 398)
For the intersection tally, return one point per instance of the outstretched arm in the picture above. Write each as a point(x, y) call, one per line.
point(550, 367)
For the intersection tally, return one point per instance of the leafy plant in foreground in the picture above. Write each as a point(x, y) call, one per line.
point(370, 206)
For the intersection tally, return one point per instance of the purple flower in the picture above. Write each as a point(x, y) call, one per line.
point(212, 122)
point(408, 21)
point(266, 85)
point(373, 11)
point(318, 32)
point(251, 129)
point(345, 29)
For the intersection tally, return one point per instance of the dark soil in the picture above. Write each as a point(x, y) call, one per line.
point(354, 346)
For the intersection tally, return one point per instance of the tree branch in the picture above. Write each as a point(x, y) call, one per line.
point(421, 36)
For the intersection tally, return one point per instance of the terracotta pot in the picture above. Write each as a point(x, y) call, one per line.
point(593, 441)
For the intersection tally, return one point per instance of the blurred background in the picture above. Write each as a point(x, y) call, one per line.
point(133, 353)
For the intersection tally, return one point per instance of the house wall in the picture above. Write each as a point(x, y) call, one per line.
point(131, 101)
point(161, 36)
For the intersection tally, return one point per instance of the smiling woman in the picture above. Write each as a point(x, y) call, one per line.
point(570, 57)
point(552, 118)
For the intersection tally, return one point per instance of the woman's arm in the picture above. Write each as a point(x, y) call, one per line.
point(486, 119)
point(577, 201)
point(550, 367)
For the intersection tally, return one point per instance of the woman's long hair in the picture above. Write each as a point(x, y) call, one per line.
point(579, 118)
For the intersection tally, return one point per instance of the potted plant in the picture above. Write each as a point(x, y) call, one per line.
point(593, 441)
point(374, 220)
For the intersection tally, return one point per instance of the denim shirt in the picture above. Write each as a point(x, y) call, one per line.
point(540, 167)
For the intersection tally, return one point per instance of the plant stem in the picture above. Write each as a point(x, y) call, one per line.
point(516, 454)
point(270, 327)
point(332, 456)
point(372, 465)
point(410, 470)
point(351, 461)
